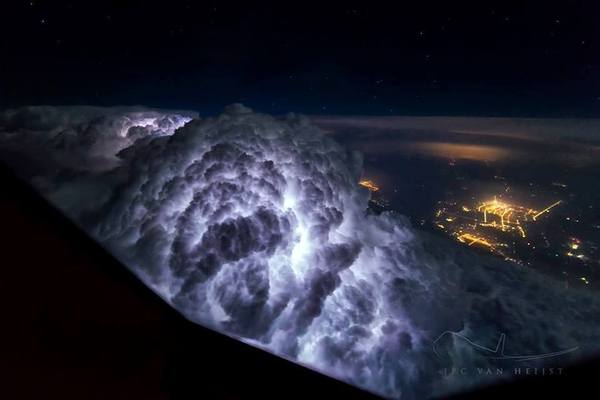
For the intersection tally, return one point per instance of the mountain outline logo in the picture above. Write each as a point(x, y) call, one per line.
point(497, 353)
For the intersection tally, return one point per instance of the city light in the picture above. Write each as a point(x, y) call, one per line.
point(369, 184)
point(495, 224)
point(507, 228)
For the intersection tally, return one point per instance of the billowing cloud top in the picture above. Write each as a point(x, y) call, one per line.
point(254, 226)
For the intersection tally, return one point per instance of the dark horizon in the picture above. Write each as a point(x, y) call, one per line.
point(504, 59)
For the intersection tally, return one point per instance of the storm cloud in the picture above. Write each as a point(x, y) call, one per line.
point(255, 226)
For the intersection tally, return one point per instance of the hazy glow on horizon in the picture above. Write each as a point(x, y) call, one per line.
point(460, 151)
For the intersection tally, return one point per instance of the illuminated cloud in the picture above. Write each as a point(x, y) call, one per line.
point(256, 226)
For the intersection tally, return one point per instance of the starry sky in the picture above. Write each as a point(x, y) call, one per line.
point(491, 58)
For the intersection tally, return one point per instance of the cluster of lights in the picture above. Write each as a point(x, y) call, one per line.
point(492, 214)
point(508, 216)
point(585, 280)
point(369, 184)
point(574, 245)
point(471, 239)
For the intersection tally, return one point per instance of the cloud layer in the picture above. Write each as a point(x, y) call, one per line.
point(254, 226)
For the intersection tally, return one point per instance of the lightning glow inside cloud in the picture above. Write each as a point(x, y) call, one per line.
point(255, 226)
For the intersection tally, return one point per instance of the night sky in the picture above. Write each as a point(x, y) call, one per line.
point(416, 58)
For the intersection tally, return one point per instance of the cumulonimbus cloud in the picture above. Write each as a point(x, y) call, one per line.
point(255, 226)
